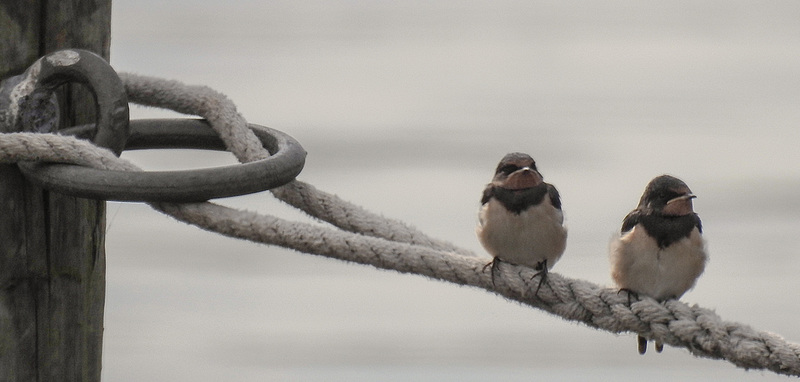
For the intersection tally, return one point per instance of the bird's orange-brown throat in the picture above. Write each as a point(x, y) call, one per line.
point(522, 179)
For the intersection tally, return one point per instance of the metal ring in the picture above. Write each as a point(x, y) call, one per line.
point(285, 163)
point(110, 98)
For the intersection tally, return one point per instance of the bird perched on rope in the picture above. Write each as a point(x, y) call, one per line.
point(520, 218)
point(660, 252)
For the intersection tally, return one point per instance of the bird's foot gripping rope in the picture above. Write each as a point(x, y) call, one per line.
point(357, 235)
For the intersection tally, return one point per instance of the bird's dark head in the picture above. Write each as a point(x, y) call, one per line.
point(517, 171)
point(668, 195)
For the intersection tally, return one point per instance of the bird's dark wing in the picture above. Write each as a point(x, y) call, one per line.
point(697, 223)
point(555, 198)
point(488, 192)
point(631, 220)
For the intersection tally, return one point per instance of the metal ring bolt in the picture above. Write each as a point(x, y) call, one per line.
point(81, 66)
point(285, 163)
point(113, 131)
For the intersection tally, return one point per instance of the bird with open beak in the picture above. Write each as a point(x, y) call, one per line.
point(660, 252)
point(520, 219)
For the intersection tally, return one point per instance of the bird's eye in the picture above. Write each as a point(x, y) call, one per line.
point(671, 195)
point(508, 169)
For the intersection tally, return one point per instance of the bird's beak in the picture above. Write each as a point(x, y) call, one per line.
point(525, 177)
point(682, 197)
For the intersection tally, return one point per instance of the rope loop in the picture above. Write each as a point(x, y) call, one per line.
point(197, 185)
point(356, 235)
point(273, 157)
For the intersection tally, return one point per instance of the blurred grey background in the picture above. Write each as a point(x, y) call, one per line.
point(405, 108)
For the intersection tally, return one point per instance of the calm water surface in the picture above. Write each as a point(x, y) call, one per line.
point(405, 109)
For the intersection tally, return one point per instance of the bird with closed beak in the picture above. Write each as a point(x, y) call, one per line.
point(660, 252)
point(520, 219)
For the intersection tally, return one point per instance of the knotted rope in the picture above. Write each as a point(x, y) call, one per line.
point(358, 235)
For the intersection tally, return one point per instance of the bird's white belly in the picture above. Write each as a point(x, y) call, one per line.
point(527, 238)
point(638, 264)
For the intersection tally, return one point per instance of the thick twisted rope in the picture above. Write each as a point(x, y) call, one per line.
point(223, 117)
point(360, 236)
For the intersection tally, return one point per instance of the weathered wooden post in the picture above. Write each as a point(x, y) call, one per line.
point(52, 256)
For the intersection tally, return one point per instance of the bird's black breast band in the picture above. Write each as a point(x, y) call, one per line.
point(517, 201)
point(664, 229)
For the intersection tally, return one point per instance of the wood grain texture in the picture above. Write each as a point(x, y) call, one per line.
point(20, 22)
point(52, 255)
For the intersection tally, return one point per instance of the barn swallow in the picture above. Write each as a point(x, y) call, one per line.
point(520, 219)
point(660, 252)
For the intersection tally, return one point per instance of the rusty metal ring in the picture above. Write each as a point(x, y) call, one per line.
point(110, 98)
point(285, 163)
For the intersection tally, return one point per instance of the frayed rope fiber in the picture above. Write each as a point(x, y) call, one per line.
point(357, 235)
